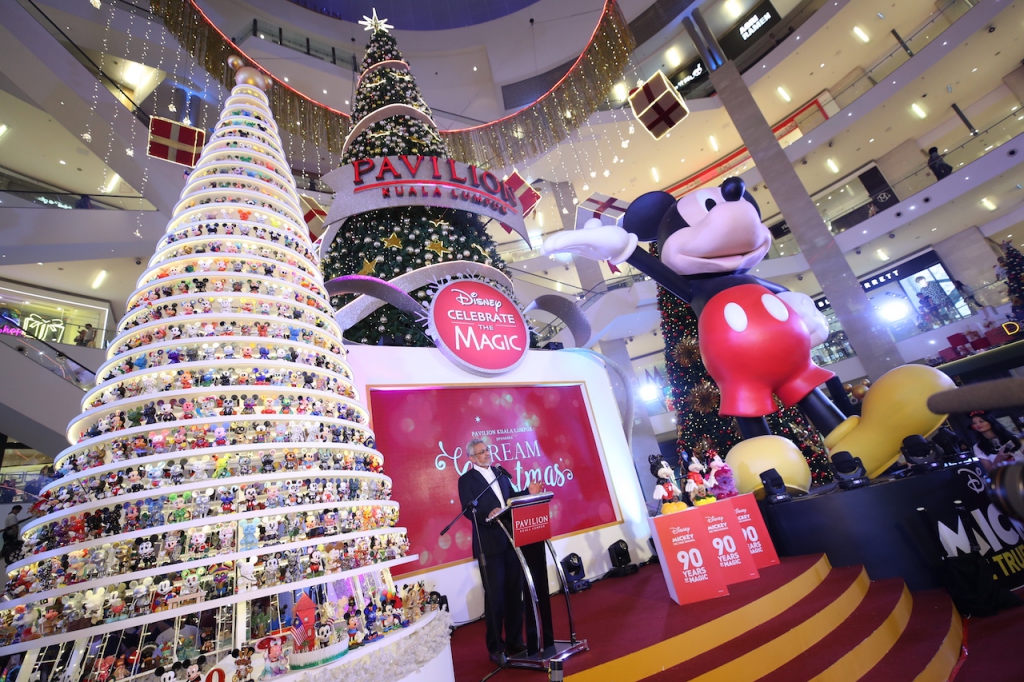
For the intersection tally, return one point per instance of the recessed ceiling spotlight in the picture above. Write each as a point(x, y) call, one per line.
point(286, 79)
point(63, 162)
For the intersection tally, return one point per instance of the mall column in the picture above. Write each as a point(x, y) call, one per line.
point(866, 332)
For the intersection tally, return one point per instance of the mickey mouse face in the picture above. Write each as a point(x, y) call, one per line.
point(716, 229)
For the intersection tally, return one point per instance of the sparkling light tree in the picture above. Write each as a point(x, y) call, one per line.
point(391, 242)
point(695, 399)
point(222, 505)
point(1014, 271)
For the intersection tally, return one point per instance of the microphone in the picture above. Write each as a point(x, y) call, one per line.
point(501, 470)
point(984, 396)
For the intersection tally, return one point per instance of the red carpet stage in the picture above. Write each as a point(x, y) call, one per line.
point(800, 620)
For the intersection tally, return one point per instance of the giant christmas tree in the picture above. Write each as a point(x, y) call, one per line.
point(222, 504)
point(695, 399)
point(390, 242)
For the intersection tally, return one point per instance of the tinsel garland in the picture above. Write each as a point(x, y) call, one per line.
point(523, 135)
point(293, 111)
point(557, 114)
point(704, 397)
point(396, 660)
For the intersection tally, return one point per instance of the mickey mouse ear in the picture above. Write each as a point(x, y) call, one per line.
point(643, 217)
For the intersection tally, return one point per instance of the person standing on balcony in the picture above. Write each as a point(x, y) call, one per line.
point(938, 164)
point(944, 307)
point(90, 336)
point(968, 295)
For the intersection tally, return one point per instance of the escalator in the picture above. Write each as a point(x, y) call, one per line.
point(41, 387)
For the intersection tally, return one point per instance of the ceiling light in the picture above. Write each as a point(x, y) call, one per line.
point(286, 79)
point(882, 255)
point(916, 108)
point(987, 203)
point(649, 392)
point(3, 129)
point(262, 37)
point(654, 174)
point(110, 185)
point(36, 264)
point(821, 66)
point(714, 142)
point(734, 8)
point(859, 32)
point(673, 57)
point(832, 166)
point(474, 68)
point(871, 140)
point(783, 94)
point(63, 162)
point(325, 92)
point(99, 279)
point(974, 69)
point(346, 101)
point(540, 218)
point(95, 3)
point(895, 310)
point(620, 91)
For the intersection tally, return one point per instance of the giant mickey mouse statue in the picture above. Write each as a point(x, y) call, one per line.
point(755, 336)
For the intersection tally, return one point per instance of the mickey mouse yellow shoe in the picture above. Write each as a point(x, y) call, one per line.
point(895, 407)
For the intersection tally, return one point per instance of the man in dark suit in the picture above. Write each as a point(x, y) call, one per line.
point(499, 566)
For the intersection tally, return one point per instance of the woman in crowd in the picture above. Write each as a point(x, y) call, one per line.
point(993, 444)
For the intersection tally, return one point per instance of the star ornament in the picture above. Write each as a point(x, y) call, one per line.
point(437, 246)
point(369, 267)
point(374, 24)
point(393, 242)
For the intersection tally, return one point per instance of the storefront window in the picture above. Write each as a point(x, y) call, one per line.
point(25, 471)
point(54, 317)
point(911, 298)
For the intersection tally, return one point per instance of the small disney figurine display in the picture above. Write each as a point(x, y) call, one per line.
point(696, 486)
point(666, 491)
point(720, 482)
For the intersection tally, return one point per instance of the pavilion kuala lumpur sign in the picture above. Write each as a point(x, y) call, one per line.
point(413, 180)
point(478, 328)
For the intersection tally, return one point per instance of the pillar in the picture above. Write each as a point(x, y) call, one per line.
point(868, 336)
point(970, 258)
point(588, 271)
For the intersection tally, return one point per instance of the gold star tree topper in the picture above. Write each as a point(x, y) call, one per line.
point(374, 24)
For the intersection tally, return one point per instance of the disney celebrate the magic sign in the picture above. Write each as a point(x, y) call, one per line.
point(478, 327)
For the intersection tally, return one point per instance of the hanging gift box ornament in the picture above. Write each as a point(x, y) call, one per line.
point(608, 209)
point(658, 106)
point(174, 142)
point(526, 195)
point(313, 213)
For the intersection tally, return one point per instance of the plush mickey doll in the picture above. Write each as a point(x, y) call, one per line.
point(755, 336)
point(168, 674)
point(194, 669)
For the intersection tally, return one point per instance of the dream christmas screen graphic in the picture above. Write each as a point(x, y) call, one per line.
point(541, 433)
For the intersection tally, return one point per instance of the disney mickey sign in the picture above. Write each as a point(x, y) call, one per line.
point(478, 327)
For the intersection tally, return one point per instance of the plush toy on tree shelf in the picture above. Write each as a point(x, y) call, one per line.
point(720, 480)
point(754, 335)
point(697, 485)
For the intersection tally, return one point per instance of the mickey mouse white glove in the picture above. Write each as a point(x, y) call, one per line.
point(594, 241)
point(815, 322)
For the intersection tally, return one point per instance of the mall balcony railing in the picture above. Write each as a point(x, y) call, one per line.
point(970, 148)
point(264, 30)
point(45, 355)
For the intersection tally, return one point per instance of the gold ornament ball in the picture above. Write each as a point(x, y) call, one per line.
point(250, 76)
point(865, 382)
point(749, 458)
point(235, 62)
point(847, 387)
point(859, 391)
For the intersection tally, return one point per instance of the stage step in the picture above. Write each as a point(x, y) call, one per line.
point(800, 621)
point(930, 645)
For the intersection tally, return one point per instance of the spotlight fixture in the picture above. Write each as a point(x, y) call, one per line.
point(622, 563)
point(921, 454)
point(575, 575)
point(849, 471)
point(774, 487)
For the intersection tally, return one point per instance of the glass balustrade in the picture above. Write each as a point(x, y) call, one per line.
point(49, 357)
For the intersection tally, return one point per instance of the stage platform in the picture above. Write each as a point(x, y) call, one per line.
point(801, 620)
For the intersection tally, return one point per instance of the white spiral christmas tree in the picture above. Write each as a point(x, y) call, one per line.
point(223, 490)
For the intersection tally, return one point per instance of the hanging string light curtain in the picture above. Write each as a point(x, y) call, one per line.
point(528, 133)
point(293, 111)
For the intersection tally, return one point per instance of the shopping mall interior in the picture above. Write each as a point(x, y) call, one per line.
point(840, 100)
